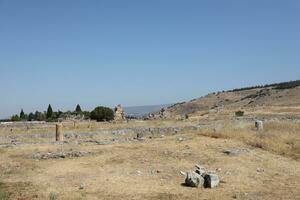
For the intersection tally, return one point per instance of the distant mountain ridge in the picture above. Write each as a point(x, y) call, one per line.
point(144, 110)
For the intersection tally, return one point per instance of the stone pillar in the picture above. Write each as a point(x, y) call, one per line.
point(259, 125)
point(59, 133)
point(74, 124)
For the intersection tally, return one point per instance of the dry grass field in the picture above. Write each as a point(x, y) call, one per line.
point(266, 166)
point(279, 137)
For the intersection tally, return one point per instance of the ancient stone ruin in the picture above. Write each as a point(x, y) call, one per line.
point(201, 178)
point(119, 113)
point(162, 114)
point(59, 136)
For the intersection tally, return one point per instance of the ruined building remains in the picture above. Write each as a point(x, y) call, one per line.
point(119, 113)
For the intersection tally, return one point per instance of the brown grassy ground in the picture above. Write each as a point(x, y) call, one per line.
point(150, 170)
point(280, 137)
point(267, 167)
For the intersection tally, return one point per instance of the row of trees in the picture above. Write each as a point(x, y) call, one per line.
point(100, 113)
point(278, 86)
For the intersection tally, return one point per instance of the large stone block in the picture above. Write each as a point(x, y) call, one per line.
point(211, 180)
point(193, 179)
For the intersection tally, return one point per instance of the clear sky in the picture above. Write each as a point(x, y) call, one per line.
point(141, 52)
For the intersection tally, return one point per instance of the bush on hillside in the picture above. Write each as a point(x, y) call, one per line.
point(288, 85)
point(278, 86)
point(239, 113)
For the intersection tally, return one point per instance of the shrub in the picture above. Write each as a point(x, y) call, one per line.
point(52, 196)
point(86, 114)
point(4, 195)
point(15, 118)
point(239, 113)
point(101, 113)
point(39, 116)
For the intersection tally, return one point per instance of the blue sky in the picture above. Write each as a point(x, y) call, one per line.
point(141, 52)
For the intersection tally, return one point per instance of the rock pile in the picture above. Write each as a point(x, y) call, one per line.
point(232, 152)
point(201, 178)
point(140, 136)
point(56, 155)
point(119, 113)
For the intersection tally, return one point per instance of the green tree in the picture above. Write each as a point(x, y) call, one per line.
point(15, 118)
point(59, 114)
point(78, 109)
point(31, 117)
point(49, 114)
point(86, 114)
point(39, 116)
point(101, 113)
point(22, 114)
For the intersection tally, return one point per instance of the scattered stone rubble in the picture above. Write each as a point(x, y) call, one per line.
point(140, 136)
point(82, 186)
point(232, 152)
point(56, 155)
point(98, 142)
point(235, 152)
point(162, 114)
point(201, 178)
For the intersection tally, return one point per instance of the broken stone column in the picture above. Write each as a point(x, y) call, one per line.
point(259, 125)
point(193, 179)
point(59, 133)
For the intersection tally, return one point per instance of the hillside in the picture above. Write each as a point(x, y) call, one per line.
point(281, 95)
